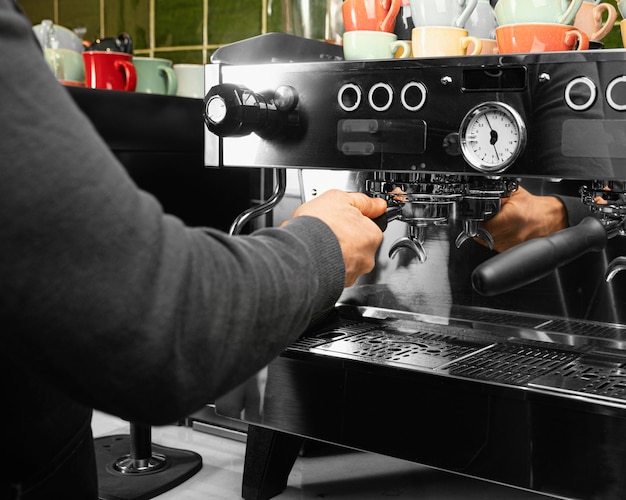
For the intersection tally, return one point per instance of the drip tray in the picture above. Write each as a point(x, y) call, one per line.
point(393, 348)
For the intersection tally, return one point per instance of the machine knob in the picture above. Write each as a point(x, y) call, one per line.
point(234, 111)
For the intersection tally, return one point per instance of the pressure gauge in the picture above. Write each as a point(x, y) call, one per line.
point(493, 135)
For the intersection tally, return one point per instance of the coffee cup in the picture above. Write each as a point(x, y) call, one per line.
point(589, 19)
point(109, 70)
point(539, 37)
point(67, 65)
point(360, 45)
point(190, 80)
point(442, 41)
point(453, 13)
point(489, 47)
point(155, 76)
point(536, 11)
point(370, 15)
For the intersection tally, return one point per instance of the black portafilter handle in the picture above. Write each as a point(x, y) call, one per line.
point(537, 258)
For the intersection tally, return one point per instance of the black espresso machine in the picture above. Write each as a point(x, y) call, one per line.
point(508, 367)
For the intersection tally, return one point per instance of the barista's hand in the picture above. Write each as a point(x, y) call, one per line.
point(349, 216)
point(524, 216)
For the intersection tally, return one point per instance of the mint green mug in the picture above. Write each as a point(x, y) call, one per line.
point(536, 11)
point(155, 76)
point(363, 44)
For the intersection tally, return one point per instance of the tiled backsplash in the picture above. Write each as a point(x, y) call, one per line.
point(181, 30)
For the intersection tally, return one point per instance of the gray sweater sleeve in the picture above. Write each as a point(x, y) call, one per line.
point(120, 306)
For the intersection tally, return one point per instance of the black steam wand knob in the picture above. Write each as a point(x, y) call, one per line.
point(233, 111)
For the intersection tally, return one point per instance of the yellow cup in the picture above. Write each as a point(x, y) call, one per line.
point(441, 41)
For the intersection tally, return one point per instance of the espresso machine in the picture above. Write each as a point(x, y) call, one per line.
point(508, 367)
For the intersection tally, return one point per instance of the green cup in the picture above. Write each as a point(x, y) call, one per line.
point(536, 11)
point(67, 65)
point(359, 45)
point(155, 76)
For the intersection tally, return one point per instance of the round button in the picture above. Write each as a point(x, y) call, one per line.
point(349, 97)
point(616, 93)
point(216, 109)
point(580, 93)
point(413, 96)
point(380, 96)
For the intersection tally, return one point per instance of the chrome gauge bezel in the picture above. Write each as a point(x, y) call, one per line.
point(519, 128)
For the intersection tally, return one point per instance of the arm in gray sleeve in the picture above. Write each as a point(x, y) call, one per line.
point(117, 304)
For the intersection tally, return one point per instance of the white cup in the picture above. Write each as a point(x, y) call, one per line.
point(190, 80)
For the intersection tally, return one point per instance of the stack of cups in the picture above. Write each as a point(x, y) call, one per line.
point(440, 28)
point(369, 26)
point(538, 26)
point(482, 24)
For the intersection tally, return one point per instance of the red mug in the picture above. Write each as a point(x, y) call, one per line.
point(370, 15)
point(109, 70)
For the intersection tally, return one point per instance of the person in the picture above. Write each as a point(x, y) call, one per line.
point(108, 303)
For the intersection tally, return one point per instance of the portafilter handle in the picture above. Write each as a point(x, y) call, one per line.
point(537, 258)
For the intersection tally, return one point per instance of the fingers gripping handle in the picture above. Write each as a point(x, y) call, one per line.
point(537, 258)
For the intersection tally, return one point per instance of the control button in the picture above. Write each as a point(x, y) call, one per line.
point(413, 96)
point(349, 97)
point(380, 96)
point(216, 109)
point(616, 93)
point(580, 93)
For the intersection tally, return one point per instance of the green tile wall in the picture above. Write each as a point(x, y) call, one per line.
point(181, 30)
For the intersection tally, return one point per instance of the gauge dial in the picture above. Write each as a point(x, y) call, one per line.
point(493, 135)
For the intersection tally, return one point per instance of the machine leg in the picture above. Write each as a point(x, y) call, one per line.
point(270, 455)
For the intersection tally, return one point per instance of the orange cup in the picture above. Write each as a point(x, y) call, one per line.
point(370, 15)
point(539, 37)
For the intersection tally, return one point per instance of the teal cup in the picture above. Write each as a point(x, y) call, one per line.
point(360, 45)
point(536, 11)
point(67, 65)
point(155, 76)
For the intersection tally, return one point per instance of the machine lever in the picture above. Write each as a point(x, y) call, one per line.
point(537, 258)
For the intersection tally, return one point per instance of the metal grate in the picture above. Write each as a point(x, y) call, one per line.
point(514, 364)
point(394, 348)
point(581, 377)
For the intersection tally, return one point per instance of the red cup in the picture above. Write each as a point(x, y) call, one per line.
point(370, 15)
point(539, 37)
point(109, 70)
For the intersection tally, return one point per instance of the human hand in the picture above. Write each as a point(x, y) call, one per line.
point(349, 216)
point(524, 216)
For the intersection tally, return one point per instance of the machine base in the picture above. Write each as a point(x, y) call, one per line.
point(180, 465)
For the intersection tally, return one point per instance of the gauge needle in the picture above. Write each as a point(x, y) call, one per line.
point(494, 137)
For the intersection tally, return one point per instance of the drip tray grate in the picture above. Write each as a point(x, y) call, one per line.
point(605, 381)
point(514, 364)
point(394, 348)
